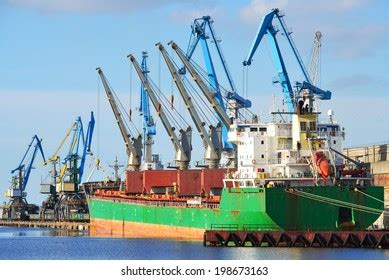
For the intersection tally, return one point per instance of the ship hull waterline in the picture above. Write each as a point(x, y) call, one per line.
point(329, 208)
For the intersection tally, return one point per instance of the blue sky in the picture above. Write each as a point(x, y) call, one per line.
point(50, 48)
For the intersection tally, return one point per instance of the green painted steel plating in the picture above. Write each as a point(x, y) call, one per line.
point(257, 209)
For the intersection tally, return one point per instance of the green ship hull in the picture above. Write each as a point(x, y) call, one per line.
point(316, 208)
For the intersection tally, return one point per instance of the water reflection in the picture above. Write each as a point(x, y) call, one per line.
point(12, 232)
point(57, 244)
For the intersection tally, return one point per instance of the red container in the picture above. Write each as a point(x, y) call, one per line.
point(189, 182)
point(212, 178)
point(134, 182)
point(159, 178)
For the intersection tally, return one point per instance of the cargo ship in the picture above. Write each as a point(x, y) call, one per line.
point(290, 176)
point(286, 174)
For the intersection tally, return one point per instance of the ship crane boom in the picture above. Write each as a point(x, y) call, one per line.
point(211, 155)
point(211, 96)
point(182, 146)
point(133, 145)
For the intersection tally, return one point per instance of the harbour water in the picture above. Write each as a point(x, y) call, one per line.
point(48, 244)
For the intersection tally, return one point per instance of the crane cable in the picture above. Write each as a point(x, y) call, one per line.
point(372, 197)
point(99, 166)
point(168, 111)
point(191, 89)
point(204, 75)
point(195, 96)
point(98, 116)
point(55, 155)
point(336, 202)
point(124, 112)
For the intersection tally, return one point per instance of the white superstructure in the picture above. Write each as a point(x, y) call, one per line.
point(285, 150)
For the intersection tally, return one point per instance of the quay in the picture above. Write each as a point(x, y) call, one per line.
point(378, 239)
point(80, 226)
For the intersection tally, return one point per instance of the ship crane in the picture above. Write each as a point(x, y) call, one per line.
point(211, 140)
point(314, 63)
point(209, 94)
point(267, 27)
point(18, 206)
point(182, 144)
point(133, 144)
point(234, 101)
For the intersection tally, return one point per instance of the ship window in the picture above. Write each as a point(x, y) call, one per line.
point(253, 129)
point(262, 156)
point(263, 129)
point(303, 126)
point(262, 142)
point(334, 141)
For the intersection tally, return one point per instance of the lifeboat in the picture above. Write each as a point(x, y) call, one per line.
point(323, 166)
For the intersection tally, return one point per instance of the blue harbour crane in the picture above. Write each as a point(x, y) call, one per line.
point(306, 86)
point(64, 193)
point(149, 127)
point(18, 207)
point(72, 169)
point(234, 101)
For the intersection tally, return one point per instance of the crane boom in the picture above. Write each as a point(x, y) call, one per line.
point(211, 155)
point(292, 45)
point(133, 145)
point(267, 27)
point(87, 145)
point(199, 35)
point(234, 102)
point(182, 146)
point(18, 207)
point(314, 63)
point(54, 157)
point(23, 178)
point(211, 96)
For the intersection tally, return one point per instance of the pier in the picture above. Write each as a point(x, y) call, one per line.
point(377, 239)
point(80, 226)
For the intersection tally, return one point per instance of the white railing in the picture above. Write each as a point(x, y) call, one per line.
point(240, 183)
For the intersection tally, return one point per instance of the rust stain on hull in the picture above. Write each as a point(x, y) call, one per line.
point(112, 228)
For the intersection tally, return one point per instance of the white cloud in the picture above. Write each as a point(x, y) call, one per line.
point(186, 16)
point(368, 36)
point(256, 9)
point(329, 17)
point(358, 80)
point(253, 12)
point(89, 6)
point(346, 5)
